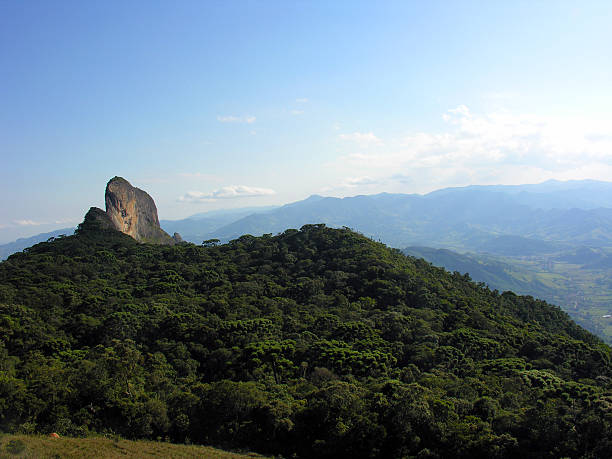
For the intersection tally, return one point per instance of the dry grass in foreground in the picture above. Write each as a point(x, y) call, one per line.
point(44, 447)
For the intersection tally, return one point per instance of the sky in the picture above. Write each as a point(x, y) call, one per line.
point(223, 104)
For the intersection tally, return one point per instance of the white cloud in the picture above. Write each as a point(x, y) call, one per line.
point(362, 138)
point(66, 221)
point(497, 147)
point(226, 192)
point(27, 223)
point(236, 119)
point(301, 100)
point(297, 112)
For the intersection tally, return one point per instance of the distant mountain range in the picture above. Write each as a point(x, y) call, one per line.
point(25, 242)
point(201, 226)
point(553, 194)
point(499, 219)
point(508, 220)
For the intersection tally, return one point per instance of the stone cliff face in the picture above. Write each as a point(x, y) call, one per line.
point(131, 211)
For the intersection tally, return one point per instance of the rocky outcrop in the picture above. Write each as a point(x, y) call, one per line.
point(97, 219)
point(131, 211)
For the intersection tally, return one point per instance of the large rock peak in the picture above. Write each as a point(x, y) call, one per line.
point(133, 212)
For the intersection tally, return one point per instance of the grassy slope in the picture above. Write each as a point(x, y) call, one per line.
point(104, 448)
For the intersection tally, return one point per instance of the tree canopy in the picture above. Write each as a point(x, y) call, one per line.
point(316, 341)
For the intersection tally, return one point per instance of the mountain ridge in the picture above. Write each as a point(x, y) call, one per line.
point(458, 223)
point(434, 219)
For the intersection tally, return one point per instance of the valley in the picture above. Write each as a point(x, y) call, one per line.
point(581, 288)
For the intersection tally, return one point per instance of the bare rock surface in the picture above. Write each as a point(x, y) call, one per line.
point(133, 212)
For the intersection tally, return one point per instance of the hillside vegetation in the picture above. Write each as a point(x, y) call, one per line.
point(551, 240)
point(317, 342)
point(578, 279)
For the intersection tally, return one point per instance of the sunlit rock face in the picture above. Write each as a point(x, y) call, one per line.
point(133, 212)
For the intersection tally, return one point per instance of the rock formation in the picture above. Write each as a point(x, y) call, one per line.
point(97, 219)
point(131, 211)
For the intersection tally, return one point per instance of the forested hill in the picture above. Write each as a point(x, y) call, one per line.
point(317, 342)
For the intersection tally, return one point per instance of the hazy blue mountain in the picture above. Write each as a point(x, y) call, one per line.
point(374, 215)
point(512, 245)
point(198, 227)
point(507, 220)
point(514, 220)
point(239, 211)
point(22, 243)
point(587, 257)
point(553, 194)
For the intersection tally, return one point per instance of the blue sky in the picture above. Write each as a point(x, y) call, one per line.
point(211, 105)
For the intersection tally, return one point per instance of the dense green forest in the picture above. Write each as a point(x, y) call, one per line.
point(317, 342)
point(576, 279)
